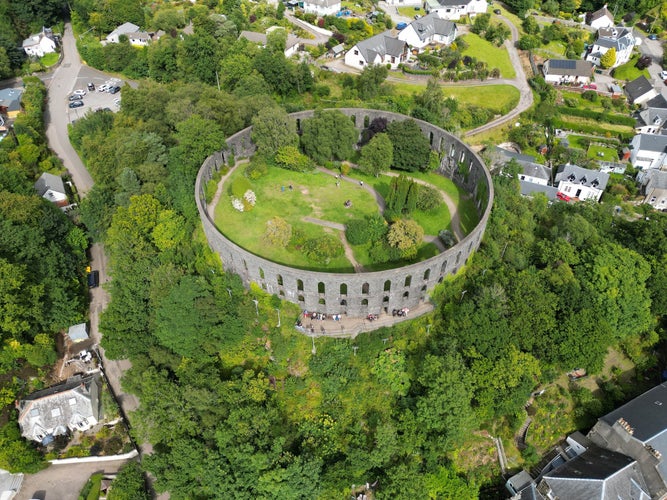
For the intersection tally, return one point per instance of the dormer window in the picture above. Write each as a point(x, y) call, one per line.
point(583, 180)
point(595, 183)
point(571, 177)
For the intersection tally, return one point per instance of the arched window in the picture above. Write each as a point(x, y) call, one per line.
point(343, 288)
point(424, 288)
point(430, 138)
point(322, 302)
point(387, 286)
point(299, 285)
point(281, 293)
point(365, 288)
point(279, 278)
point(301, 299)
point(458, 258)
point(408, 281)
point(443, 268)
point(385, 300)
point(427, 274)
point(364, 302)
point(245, 264)
point(406, 295)
point(320, 287)
point(343, 302)
point(261, 273)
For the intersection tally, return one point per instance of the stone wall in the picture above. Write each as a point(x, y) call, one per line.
point(355, 294)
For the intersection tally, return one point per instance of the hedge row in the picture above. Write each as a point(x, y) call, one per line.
point(599, 116)
point(591, 129)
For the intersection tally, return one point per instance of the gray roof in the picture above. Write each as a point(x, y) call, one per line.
point(61, 406)
point(507, 155)
point(431, 24)
point(646, 414)
point(638, 87)
point(530, 188)
point(583, 176)
point(261, 38)
point(453, 3)
point(338, 49)
point(124, 29)
point(603, 12)
point(652, 142)
point(569, 67)
point(653, 117)
point(382, 44)
point(10, 484)
point(11, 99)
point(658, 101)
point(655, 179)
point(595, 474)
point(49, 181)
point(323, 3)
point(536, 170)
point(77, 332)
point(618, 38)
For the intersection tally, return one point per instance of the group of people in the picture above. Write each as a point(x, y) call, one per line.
point(321, 316)
point(400, 312)
point(372, 317)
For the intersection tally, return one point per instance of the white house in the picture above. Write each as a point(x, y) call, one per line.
point(292, 45)
point(654, 186)
point(454, 10)
point(651, 120)
point(648, 151)
point(640, 90)
point(133, 34)
point(561, 71)
point(322, 7)
point(378, 49)
point(581, 183)
point(429, 29)
point(10, 484)
point(39, 44)
point(74, 405)
point(620, 39)
point(51, 187)
point(600, 18)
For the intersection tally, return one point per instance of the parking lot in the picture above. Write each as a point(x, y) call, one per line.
point(93, 100)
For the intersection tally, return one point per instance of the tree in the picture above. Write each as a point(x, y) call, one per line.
point(323, 249)
point(129, 484)
point(405, 235)
point(608, 59)
point(376, 156)
point(272, 129)
point(329, 135)
point(278, 232)
point(481, 23)
point(369, 82)
point(411, 147)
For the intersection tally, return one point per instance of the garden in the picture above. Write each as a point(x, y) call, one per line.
point(348, 215)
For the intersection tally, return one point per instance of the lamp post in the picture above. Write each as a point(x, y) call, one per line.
point(462, 294)
point(278, 311)
point(256, 309)
point(313, 350)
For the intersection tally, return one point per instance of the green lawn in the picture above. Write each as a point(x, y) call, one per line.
point(494, 57)
point(411, 11)
point(49, 59)
point(629, 71)
point(602, 153)
point(553, 48)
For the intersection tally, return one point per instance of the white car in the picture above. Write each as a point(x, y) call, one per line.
point(103, 87)
point(663, 75)
point(79, 92)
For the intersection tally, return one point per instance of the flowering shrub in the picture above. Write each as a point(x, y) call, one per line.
point(237, 204)
point(250, 197)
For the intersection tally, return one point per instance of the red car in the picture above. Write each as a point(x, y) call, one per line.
point(562, 196)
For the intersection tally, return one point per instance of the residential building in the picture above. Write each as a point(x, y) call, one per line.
point(74, 405)
point(51, 187)
point(638, 429)
point(78, 333)
point(581, 183)
point(10, 484)
point(132, 32)
point(454, 10)
point(40, 43)
point(648, 151)
point(533, 177)
point(640, 90)
point(600, 18)
point(427, 30)
point(562, 71)
point(10, 102)
point(653, 184)
point(292, 46)
point(612, 167)
point(322, 7)
point(378, 49)
point(620, 39)
point(651, 120)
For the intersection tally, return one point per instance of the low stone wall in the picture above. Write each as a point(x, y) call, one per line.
point(355, 294)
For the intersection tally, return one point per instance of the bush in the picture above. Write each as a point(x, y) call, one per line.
point(355, 232)
point(590, 95)
point(428, 198)
point(258, 168)
point(290, 158)
point(447, 238)
point(323, 249)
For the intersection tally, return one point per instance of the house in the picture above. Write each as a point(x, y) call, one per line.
point(453, 10)
point(620, 39)
point(640, 90)
point(292, 45)
point(378, 49)
point(560, 71)
point(581, 183)
point(651, 120)
point(73, 405)
point(10, 484)
point(51, 187)
point(615, 90)
point(653, 184)
point(322, 7)
point(336, 51)
point(132, 32)
point(648, 151)
point(40, 43)
point(10, 102)
point(612, 167)
point(600, 18)
point(429, 29)
point(638, 429)
point(78, 333)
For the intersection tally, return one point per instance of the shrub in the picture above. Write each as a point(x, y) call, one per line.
point(447, 238)
point(258, 168)
point(355, 232)
point(278, 232)
point(323, 249)
point(290, 158)
point(428, 198)
point(590, 95)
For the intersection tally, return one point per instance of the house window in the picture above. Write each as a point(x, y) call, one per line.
point(393, 60)
point(356, 52)
point(55, 412)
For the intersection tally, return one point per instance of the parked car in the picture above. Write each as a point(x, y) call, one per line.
point(113, 89)
point(644, 62)
point(76, 104)
point(562, 196)
point(417, 16)
point(653, 36)
point(663, 74)
point(93, 279)
point(80, 92)
point(401, 26)
point(75, 97)
point(103, 88)
point(497, 11)
point(91, 86)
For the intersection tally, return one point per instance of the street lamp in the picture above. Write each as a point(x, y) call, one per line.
point(278, 310)
point(256, 309)
point(462, 294)
point(313, 350)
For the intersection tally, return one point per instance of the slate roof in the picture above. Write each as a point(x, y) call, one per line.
point(124, 29)
point(570, 67)
point(382, 44)
point(323, 3)
point(578, 175)
point(656, 102)
point(77, 332)
point(11, 99)
point(603, 12)
point(595, 474)
point(652, 142)
point(431, 24)
point(261, 38)
point(638, 87)
point(453, 3)
point(646, 414)
point(618, 38)
point(49, 181)
point(530, 188)
point(536, 170)
point(655, 179)
point(653, 117)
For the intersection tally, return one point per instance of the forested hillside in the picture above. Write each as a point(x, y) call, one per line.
point(42, 272)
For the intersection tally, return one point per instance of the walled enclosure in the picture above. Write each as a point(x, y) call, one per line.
point(355, 294)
